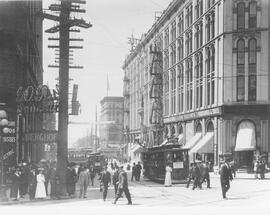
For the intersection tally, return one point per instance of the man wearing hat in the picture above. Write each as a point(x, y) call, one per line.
point(105, 180)
point(123, 186)
point(225, 177)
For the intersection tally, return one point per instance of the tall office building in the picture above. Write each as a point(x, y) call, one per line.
point(215, 75)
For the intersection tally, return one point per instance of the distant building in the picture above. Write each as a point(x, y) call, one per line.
point(111, 126)
point(216, 86)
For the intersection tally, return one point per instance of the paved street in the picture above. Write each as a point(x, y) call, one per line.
point(245, 191)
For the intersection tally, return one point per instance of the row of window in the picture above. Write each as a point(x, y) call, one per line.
point(170, 85)
point(252, 73)
point(252, 15)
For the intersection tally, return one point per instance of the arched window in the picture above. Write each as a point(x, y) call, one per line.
point(210, 127)
point(252, 73)
point(241, 15)
point(198, 128)
point(252, 51)
point(180, 88)
point(252, 19)
point(241, 70)
point(241, 52)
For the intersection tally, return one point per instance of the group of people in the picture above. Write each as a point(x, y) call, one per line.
point(136, 171)
point(119, 181)
point(260, 168)
point(199, 173)
point(40, 181)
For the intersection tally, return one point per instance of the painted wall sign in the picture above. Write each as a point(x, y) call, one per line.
point(41, 137)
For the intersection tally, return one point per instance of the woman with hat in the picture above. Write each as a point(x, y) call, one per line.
point(40, 190)
point(168, 176)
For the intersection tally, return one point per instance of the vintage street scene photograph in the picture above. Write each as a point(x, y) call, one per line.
point(127, 106)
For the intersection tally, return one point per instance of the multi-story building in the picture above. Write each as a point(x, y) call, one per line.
point(21, 66)
point(215, 79)
point(111, 126)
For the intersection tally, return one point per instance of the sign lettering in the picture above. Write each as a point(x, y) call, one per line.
point(48, 137)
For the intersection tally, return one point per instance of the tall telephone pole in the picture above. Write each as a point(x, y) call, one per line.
point(65, 7)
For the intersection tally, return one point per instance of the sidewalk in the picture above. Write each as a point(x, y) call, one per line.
point(242, 175)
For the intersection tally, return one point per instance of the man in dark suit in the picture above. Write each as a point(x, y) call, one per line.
point(197, 177)
point(105, 180)
point(225, 177)
point(123, 186)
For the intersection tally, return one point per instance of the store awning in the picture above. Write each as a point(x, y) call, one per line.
point(245, 139)
point(164, 142)
point(138, 150)
point(180, 138)
point(192, 141)
point(205, 145)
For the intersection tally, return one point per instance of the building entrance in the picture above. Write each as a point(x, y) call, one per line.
point(245, 159)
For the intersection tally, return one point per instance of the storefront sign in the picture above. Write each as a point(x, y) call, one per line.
point(8, 154)
point(44, 137)
point(9, 133)
point(178, 165)
point(194, 115)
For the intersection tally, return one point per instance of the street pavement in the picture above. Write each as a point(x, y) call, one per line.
point(246, 193)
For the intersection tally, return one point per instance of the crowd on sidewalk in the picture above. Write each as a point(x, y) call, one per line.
point(42, 181)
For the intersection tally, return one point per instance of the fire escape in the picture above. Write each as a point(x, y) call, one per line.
point(156, 92)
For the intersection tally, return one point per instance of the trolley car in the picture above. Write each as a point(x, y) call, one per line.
point(97, 160)
point(156, 158)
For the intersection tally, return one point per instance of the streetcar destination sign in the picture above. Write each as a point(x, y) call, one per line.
point(44, 137)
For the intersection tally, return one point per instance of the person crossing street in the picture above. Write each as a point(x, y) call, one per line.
point(123, 186)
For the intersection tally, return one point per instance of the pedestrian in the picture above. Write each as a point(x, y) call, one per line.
point(225, 178)
point(71, 179)
point(168, 176)
point(191, 174)
point(133, 172)
point(40, 189)
point(138, 171)
point(83, 182)
point(105, 180)
point(205, 169)
point(233, 168)
point(53, 182)
point(262, 169)
point(92, 175)
point(197, 176)
point(256, 169)
point(32, 179)
point(24, 180)
point(115, 179)
point(123, 186)
point(14, 191)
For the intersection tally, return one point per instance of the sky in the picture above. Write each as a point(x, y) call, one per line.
point(105, 48)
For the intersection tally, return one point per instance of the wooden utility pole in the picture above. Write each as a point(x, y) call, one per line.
point(65, 23)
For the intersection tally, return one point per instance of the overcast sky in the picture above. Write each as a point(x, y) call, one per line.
point(105, 48)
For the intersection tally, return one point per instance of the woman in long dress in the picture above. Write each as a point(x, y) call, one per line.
point(40, 190)
point(168, 176)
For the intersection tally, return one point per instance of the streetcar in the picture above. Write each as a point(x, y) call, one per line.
point(156, 158)
point(79, 155)
point(97, 160)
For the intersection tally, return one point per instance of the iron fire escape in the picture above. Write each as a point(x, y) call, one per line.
point(156, 92)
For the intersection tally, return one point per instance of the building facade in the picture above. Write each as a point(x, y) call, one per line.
point(215, 57)
point(21, 66)
point(111, 126)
